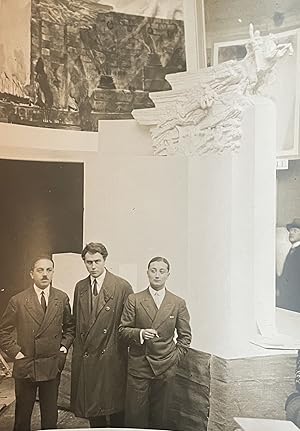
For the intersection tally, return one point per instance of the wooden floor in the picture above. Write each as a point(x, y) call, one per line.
point(65, 419)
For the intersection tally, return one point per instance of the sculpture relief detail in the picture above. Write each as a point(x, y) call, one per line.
point(203, 111)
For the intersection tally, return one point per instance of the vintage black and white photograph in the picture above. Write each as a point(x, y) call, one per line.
point(150, 215)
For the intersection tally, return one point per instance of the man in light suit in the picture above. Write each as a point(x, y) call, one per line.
point(148, 325)
point(36, 331)
point(99, 361)
point(288, 283)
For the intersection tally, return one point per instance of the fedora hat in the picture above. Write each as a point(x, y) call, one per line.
point(294, 223)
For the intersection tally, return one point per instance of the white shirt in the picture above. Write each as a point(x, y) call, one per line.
point(39, 291)
point(99, 280)
point(157, 295)
point(296, 244)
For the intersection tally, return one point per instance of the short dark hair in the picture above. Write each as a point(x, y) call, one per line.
point(42, 256)
point(93, 248)
point(159, 259)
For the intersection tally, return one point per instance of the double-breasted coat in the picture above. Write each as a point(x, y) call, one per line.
point(25, 328)
point(99, 361)
point(161, 354)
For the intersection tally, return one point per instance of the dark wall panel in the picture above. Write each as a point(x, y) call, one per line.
point(41, 213)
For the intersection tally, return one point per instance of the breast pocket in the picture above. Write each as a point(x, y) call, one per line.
point(167, 329)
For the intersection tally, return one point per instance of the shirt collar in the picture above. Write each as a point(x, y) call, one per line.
point(160, 292)
point(296, 244)
point(99, 279)
point(38, 291)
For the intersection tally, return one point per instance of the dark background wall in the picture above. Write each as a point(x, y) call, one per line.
point(41, 213)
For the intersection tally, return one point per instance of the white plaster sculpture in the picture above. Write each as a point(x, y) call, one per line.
point(168, 9)
point(203, 111)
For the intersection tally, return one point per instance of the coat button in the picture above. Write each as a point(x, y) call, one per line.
point(104, 331)
point(86, 354)
point(107, 308)
point(103, 351)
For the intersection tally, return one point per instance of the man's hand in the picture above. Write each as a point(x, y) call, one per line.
point(148, 334)
point(63, 349)
point(19, 355)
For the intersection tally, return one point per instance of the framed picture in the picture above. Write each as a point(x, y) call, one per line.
point(287, 249)
point(285, 97)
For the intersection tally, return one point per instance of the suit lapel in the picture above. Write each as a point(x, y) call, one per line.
point(149, 305)
point(164, 310)
point(51, 311)
point(33, 306)
point(85, 299)
point(107, 292)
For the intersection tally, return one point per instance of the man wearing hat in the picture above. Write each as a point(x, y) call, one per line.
point(288, 283)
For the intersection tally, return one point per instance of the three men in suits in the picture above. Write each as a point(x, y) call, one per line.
point(36, 331)
point(99, 362)
point(288, 283)
point(148, 325)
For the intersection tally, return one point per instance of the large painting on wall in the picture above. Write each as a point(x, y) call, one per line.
point(288, 238)
point(68, 63)
point(285, 96)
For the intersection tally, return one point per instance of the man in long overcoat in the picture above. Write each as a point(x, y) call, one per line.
point(36, 331)
point(99, 361)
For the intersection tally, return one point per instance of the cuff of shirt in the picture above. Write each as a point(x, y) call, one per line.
point(13, 351)
point(141, 337)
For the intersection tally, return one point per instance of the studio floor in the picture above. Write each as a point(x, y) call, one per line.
point(66, 419)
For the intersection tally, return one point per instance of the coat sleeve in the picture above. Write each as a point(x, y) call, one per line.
point(68, 326)
point(8, 340)
point(75, 304)
point(127, 290)
point(184, 335)
point(128, 332)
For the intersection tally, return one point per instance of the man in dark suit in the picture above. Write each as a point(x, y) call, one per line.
point(99, 361)
point(148, 325)
point(36, 331)
point(288, 283)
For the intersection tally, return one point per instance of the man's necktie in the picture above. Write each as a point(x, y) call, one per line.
point(43, 301)
point(157, 299)
point(95, 288)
